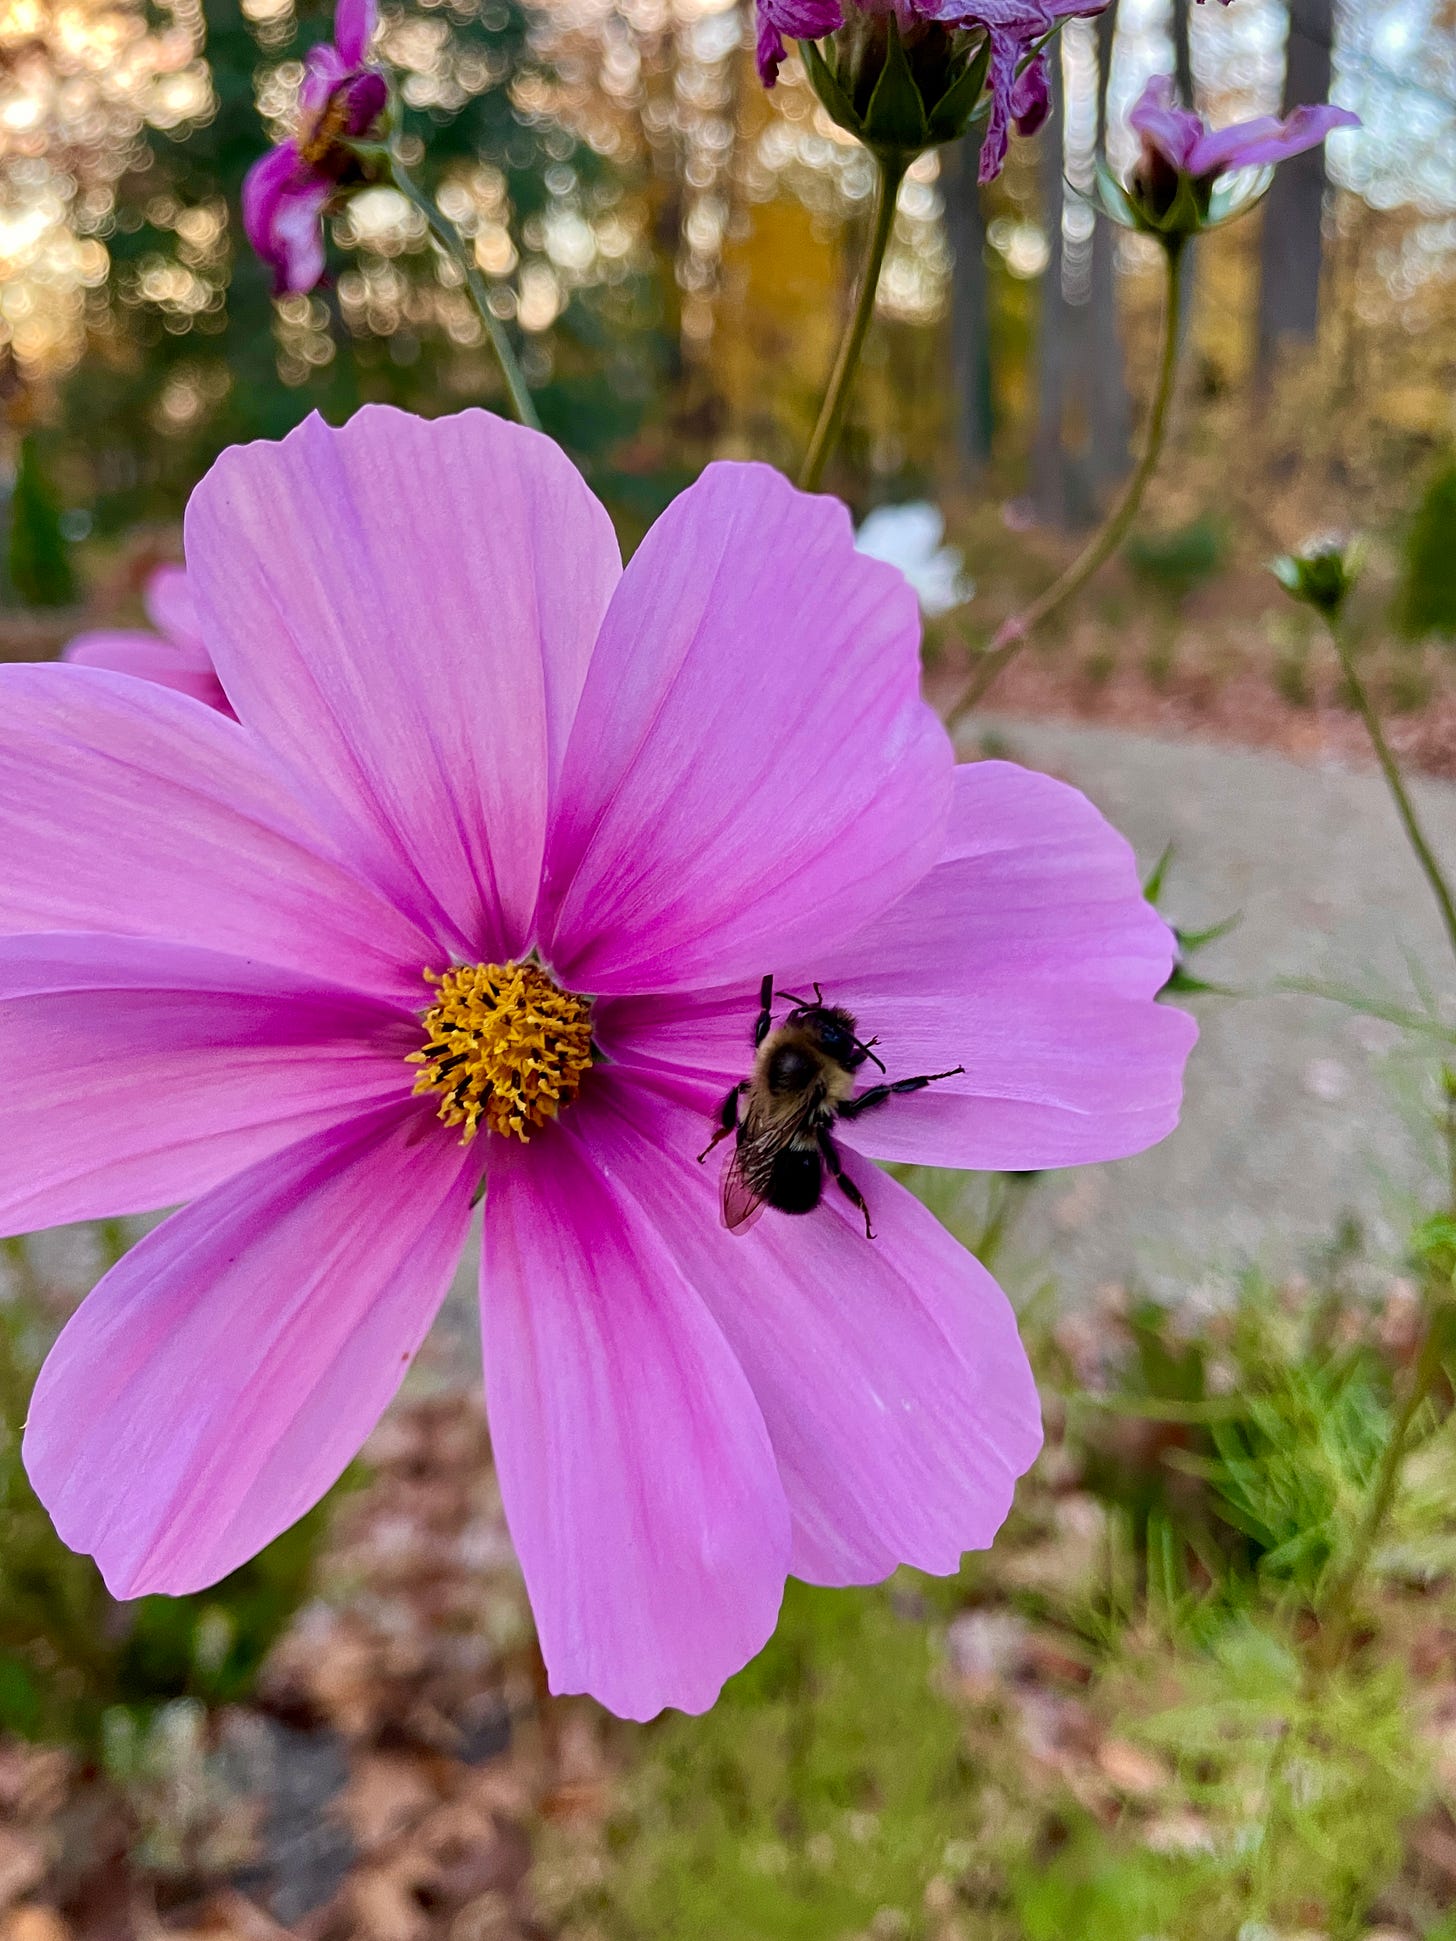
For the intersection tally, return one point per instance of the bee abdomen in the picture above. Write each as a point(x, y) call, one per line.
point(796, 1183)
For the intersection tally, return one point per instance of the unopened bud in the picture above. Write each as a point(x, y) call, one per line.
point(1320, 573)
point(899, 87)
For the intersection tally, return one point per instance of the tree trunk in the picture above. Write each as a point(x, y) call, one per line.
point(972, 377)
point(1183, 52)
point(1108, 418)
point(1049, 482)
point(1291, 249)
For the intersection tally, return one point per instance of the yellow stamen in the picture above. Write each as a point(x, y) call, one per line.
point(503, 1044)
point(316, 137)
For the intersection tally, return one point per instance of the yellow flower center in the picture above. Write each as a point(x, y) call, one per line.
point(503, 1044)
point(317, 134)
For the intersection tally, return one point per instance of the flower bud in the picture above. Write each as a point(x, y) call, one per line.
point(1321, 573)
point(1189, 178)
point(900, 88)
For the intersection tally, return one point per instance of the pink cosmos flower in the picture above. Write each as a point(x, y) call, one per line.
point(503, 841)
point(286, 191)
point(174, 655)
point(1177, 139)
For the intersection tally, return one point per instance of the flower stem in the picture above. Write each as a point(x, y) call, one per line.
point(890, 172)
point(1114, 529)
point(1395, 782)
point(1336, 1613)
point(453, 243)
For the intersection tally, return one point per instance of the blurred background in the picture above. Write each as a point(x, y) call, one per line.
point(1128, 1722)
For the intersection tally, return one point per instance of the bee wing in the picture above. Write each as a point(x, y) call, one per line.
point(742, 1201)
point(761, 1138)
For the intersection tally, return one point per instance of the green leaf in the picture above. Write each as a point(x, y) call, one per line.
point(1158, 876)
point(837, 103)
point(1111, 199)
point(1183, 984)
point(951, 115)
point(895, 118)
point(1196, 939)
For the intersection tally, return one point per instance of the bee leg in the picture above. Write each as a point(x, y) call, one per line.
point(843, 1181)
point(727, 1119)
point(765, 1011)
point(877, 1094)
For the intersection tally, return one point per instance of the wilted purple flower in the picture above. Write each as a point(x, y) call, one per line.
point(796, 19)
point(1020, 76)
point(1017, 77)
point(286, 190)
point(1177, 143)
point(173, 655)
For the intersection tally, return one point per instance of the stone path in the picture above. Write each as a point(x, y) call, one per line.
point(1299, 1112)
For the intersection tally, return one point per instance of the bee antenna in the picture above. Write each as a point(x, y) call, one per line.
point(864, 1045)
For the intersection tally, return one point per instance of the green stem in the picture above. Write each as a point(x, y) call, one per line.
point(890, 172)
point(453, 243)
point(1114, 529)
point(1337, 1608)
point(1415, 835)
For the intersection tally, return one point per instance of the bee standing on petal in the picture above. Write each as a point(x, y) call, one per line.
point(803, 1080)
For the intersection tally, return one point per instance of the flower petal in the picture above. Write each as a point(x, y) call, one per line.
point(798, 19)
point(1028, 955)
point(1031, 957)
point(283, 202)
point(146, 657)
point(1267, 140)
point(219, 1380)
point(635, 1469)
point(138, 1073)
point(404, 609)
point(354, 25)
point(173, 611)
point(752, 768)
point(174, 655)
point(890, 1373)
point(127, 808)
point(1173, 130)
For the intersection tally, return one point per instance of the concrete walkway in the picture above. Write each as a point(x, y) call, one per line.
point(1299, 1112)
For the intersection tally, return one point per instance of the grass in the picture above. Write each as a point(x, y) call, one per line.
point(1114, 1725)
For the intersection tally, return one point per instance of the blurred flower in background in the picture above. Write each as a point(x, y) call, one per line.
point(910, 536)
point(173, 655)
point(1174, 187)
point(287, 190)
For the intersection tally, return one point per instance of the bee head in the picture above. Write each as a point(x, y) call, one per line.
point(833, 1031)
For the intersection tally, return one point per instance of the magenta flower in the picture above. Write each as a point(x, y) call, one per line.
point(783, 20)
point(1177, 142)
point(287, 190)
point(1018, 76)
point(1019, 80)
point(502, 843)
point(174, 655)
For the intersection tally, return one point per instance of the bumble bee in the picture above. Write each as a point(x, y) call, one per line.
point(803, 1081)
